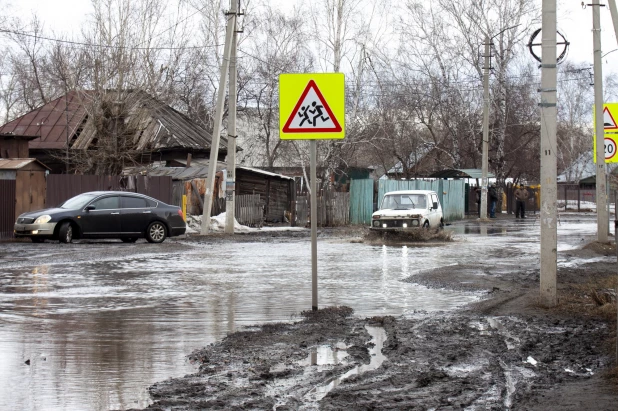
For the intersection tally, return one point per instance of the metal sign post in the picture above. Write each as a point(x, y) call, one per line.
point(312, 107)
point(314, 227)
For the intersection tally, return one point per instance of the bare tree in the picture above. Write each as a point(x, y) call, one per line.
point(278, 46)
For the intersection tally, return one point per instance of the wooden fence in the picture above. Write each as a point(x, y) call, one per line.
point(302, 211)
point(249, 210)
point(333, 209)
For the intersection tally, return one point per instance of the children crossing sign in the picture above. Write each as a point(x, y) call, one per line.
point(311, 106)
point(610, 132)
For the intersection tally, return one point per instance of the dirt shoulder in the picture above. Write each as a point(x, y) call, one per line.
point(504, 352)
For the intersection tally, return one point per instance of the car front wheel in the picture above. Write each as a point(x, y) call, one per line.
point(426, 224)
point(65, 234)
point(156, 232)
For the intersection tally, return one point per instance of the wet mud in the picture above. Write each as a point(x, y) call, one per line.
point(503, 352)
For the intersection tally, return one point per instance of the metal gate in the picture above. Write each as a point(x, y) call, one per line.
point(7, 208)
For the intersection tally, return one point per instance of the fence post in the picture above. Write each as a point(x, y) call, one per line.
point(184, 207)
point(579, 198)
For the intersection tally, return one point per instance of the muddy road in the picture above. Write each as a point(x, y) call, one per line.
point(441, 326)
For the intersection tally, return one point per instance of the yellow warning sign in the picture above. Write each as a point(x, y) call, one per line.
point(610, 132)
point(312, 106)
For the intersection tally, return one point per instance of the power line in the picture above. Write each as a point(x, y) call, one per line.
point(83, 44)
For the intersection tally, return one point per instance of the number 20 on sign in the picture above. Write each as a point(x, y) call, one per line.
point(610, 133)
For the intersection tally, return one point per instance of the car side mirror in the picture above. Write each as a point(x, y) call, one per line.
point(90, 207)
point(435, 205)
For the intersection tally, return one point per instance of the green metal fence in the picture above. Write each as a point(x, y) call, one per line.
point(451, 193)
point(361, 201)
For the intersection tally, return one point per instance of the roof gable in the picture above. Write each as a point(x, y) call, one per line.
point(159, 126)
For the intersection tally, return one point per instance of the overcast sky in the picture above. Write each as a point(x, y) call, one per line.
point(574, 22)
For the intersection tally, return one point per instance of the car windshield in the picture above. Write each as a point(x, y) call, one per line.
point(404, 201)
point(77, 202)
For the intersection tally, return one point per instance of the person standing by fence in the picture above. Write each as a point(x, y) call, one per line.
point(521, 196)
point(477, 199)
point(493, 199)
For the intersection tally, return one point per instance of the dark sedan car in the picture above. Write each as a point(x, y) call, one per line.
point(103, 214)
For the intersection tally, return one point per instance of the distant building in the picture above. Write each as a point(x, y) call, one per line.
point(154, 130)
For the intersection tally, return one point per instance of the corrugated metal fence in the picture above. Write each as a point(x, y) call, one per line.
point(7, 208)
point(61, 187)
point(361, 201)
point(452, 193)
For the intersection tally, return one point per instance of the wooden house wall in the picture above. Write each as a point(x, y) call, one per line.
point(275, 191)
point(13, 148)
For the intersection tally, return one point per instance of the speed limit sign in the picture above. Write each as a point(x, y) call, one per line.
point(610, 149)
point(611, 146)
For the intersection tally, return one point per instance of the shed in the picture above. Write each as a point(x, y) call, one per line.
point(276, 191)
point(22, 189)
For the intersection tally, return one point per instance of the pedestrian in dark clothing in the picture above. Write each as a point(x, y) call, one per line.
point(477, 198)
point(493, 199)
point(521, 196)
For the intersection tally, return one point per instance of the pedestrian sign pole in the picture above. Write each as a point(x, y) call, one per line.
point(312, 107)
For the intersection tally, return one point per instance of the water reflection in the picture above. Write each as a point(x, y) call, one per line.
point(98, 333)
point(378, 336)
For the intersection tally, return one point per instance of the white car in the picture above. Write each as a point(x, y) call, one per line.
point(407, 209)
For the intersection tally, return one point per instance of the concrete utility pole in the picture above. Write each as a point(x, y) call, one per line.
point(485, 159)
point(614, 12)
point(230, 189)
point(601, 182)
point(216, 133)
point(549, 193)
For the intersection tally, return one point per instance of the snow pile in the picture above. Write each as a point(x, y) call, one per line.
point(217, 224)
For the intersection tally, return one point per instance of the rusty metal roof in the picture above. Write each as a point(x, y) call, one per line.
point(17, 163)
point(160, 127)
point(49, 122)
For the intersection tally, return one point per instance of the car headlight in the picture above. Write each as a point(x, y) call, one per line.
point(42, 219)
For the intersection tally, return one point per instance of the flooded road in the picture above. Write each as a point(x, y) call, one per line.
point(100, 322)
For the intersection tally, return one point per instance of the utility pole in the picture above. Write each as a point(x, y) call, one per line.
point(216, 132)
point(601, 182)
point(549, 197)
point(614, 12)
point(230, 189)
point(483, 214)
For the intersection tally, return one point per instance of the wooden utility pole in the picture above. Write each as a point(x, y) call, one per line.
point(216, 132)
point(230, 189)
point(549, 243)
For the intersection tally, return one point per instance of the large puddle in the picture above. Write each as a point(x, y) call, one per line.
point(98, 333)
